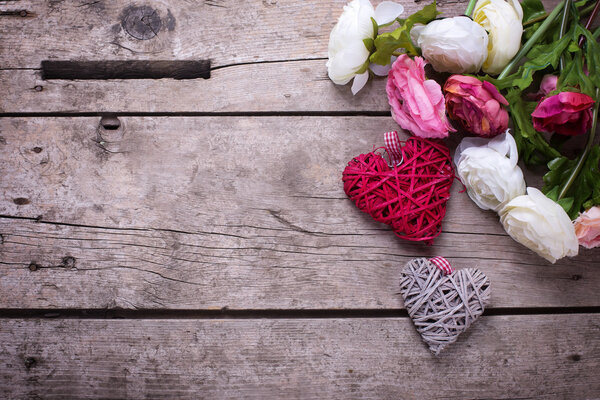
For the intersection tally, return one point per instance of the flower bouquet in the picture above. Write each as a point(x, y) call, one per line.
point(504, 63)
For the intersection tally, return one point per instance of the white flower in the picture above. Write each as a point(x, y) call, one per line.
point(540, 224)
point(457, 45)
point(489, 170)
point(502, 19)
point(348, 54)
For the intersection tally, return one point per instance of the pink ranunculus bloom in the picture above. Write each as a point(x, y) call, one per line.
point(548, 84)
point(587, 228)
point(417, 103)
point(567, 113)
point(477, 106)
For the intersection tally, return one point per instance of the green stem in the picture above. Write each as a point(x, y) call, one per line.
point(586, 151)
point(532, 40)
point(583, 12)
point(533, 21)
point(563, 28)
point(470, 7)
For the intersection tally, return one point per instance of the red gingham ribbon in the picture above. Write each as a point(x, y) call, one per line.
point(392, 144)
point(442, 264)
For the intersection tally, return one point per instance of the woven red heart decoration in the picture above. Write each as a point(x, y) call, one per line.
point(410, 197)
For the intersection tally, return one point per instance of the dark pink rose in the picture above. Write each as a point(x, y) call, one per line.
point(417, 103)
point(567, 113)
point(477, 106)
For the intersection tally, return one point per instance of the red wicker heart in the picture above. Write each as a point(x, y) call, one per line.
point(411, 197)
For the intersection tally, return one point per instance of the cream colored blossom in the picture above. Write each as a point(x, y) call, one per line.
point(541, 225)
point(503, 22)
point(457, 45)
point(489, 170)
point(348, 55)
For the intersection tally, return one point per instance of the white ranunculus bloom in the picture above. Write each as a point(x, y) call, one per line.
point(503, 21)
point(457, 45)
point(488, 168)
point(541, 225)
point(347, 51)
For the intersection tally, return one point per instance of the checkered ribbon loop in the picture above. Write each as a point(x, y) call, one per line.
point(442, 264)
point(392, 145)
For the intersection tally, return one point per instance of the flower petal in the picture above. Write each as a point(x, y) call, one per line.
point(387, 11)
point(382, 70)
point(360, 81)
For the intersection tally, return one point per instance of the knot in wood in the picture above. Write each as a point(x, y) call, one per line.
point(141, 22)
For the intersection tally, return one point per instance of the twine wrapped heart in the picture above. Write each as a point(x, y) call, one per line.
point(412, 196)
point(441, 302)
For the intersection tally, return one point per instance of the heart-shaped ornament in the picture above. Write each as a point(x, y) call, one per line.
point(411, 195)
point(441, 302)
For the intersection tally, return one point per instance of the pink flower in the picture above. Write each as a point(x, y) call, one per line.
point(587, 228)
point(417, 103)
point(476, 105)
point(547, 85)
point(567, 113)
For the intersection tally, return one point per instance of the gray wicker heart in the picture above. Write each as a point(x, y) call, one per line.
point(442, 306)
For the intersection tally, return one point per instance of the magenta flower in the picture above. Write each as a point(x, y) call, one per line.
point(417, 103)
point(548, 84)
point(566, 113)
point(477, 106)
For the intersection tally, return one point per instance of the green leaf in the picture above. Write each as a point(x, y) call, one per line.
point(364, 68)
point(566, 203)
point(553, 194)
point(375, 27)
point(532, 9)
point(573, 76)
point(585, 191)
point(369, 44)
point(592, 55)
point(387, 43)
point(540, 57)
point(533, 148)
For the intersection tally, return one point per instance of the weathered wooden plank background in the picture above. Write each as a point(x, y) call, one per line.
point(312, 358)
point(225, 194)
point(240, 205)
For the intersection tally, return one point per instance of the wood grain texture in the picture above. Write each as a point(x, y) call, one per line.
point(293, 86)
point(212, 212)
point(537, 357)
point(225, 31)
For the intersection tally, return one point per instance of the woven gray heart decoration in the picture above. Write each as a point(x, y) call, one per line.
point(441, 302)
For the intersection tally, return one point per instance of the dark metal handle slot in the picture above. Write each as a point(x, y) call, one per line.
point(184, 69)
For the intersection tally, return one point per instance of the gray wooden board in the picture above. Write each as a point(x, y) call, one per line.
point(254, 86)
point(238, 212)
point(528, 356)
point(224, 31)
point(284, 86)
